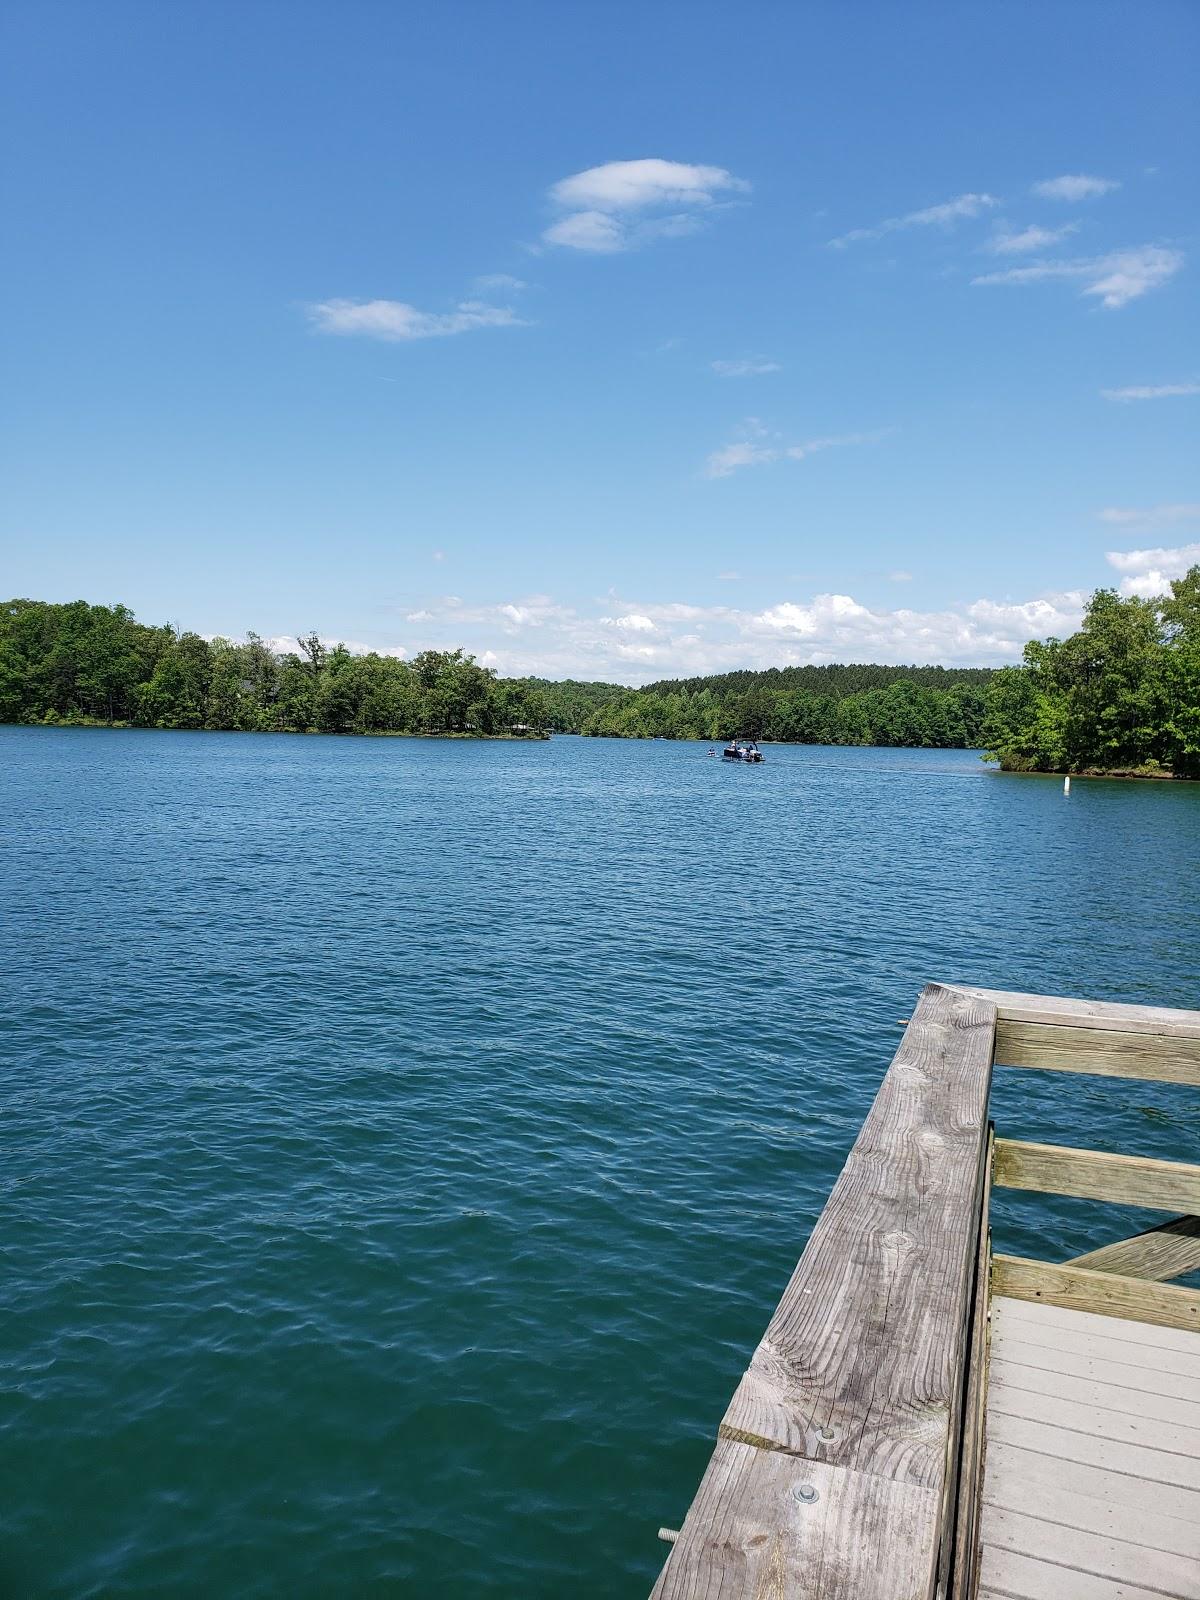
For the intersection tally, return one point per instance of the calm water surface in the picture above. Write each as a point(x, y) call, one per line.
point(406, 1141)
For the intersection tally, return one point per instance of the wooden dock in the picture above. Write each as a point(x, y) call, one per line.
point(922, 1421)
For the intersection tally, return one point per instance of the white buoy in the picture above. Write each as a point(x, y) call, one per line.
point(1067, 784)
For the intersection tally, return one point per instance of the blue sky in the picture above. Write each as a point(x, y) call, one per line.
point(608, 340)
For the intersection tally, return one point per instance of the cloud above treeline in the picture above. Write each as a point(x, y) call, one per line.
point(636, 641)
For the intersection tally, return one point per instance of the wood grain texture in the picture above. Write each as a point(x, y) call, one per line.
point(1107, 1053)
point(860, 1371)
point(1104, 1293)
point(748, 1535)
point(1097, 1175)
point(1019, 1577)
point(1061, 1011)
point(1167, 1251)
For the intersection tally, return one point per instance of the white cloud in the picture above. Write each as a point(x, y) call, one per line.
point(637, 185)
point(1150, 391)
point(1004, 243)
point(1149, 572)
point(1152, 516)
point(949, 212)
point(1117, 278)
point(900, 577)
point(634, 622)
point(610, 208)
point(398, 322)
point(588, 230)
point(286, 644)
point(636, 641)
point(751, 368)
point(1073, 186)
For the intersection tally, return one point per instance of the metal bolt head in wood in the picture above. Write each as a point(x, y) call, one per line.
point(807, 1493)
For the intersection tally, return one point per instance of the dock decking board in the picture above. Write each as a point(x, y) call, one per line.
point(1082, 1496)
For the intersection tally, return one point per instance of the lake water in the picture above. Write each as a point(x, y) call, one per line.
point(406, 1141)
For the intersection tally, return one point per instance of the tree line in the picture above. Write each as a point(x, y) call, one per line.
point(1120, 695)
point(80, 663)
point(858, 704)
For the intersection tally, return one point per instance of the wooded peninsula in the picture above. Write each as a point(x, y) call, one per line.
point(1122, 694)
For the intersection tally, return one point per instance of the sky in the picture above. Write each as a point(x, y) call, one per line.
point(604, 340)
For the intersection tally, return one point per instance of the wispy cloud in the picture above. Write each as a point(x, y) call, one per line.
point(1149, 572)
point(499, 280)
point(1152, 516)
point(751, 368)
point(1006, 243)
point(622, 204)
point(398, 322)
point(1151, 391)
point(1115, 279)
point(1074, 186)
point(944, 216)
point(757, 445)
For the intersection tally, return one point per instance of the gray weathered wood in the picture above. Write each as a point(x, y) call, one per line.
point(1051, 1326)
point(1107, 1053)
point(1094, 1499)
point(1061, 1011)
point(1105, 1293)
point(1097, 1175)
point(1138, 1461)
point(969, 1485)
point(1167, 1251)
point(1095, 1036)
point(860, 1369)
point(748, 1534)
point(1113, 1397)
point(1030, 1533)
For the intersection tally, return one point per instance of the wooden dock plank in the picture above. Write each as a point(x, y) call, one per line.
point(1097, 1175)
point(1086, 1416)
point(1138, 1461)
point(1109, 1396)
point(1103, 1556)
point(1018, 1577)
point(1064, 1011)
point(749, 1533)
point(1167, 1251)
point(861, 1370)
point(1174, 1373)
point(858, 1364)
point(1049, 1322)
point(1082, 1500)
point(1093, 1500)
point(1105, 1053)
point(1129, 1299)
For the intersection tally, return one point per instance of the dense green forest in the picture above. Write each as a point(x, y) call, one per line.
point(860, 704)
point(1121, 695)
point(80, 663)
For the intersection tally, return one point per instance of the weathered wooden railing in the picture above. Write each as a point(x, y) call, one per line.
point(848, 1464)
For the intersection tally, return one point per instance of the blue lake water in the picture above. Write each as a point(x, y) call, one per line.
point(406, 1141)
